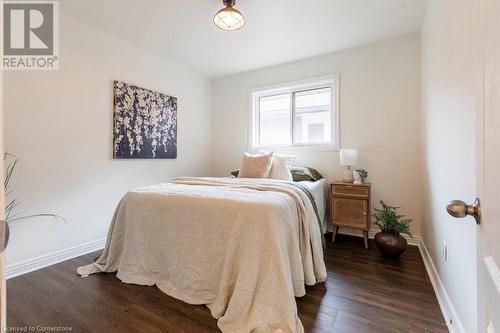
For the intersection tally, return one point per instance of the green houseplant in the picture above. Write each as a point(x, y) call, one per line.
point(392, 225)
point(363, 174)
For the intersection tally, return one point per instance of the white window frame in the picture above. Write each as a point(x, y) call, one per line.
point(331, 81)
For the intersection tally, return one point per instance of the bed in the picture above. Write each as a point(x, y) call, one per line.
point(319, 190)
point(243, 247)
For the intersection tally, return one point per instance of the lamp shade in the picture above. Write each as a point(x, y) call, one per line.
point(349, 157)
point(229, 18)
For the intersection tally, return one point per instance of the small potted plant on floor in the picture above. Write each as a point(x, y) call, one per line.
point(388, 240)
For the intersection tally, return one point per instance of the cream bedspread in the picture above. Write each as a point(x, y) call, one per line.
point(243, 247)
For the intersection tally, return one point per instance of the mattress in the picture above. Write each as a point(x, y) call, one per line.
point(319, 190)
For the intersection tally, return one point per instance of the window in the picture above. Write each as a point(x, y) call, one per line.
point(292, 115)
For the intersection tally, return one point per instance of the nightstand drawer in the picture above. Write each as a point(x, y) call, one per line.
point(350, 213)
point(351, 190)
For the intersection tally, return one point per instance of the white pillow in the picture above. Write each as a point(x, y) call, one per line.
point(281, 166)
point(256, 166)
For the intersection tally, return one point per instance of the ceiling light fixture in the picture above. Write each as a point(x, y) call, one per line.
point(229, 18)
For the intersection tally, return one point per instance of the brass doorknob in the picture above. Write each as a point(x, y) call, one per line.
point(458, 208)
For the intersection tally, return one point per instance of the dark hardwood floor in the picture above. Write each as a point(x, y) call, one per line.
point(364, 292)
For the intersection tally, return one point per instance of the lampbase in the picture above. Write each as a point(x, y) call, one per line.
point(348, 175)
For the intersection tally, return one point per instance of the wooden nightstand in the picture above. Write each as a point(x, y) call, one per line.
point(350, 207)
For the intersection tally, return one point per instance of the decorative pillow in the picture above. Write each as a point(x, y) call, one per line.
point(256, 166)
point(281, 166)
point(300, 173)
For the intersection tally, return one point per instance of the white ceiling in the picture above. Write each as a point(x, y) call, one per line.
point(277, 31)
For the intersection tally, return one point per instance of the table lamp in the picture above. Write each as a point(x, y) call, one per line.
point(349, 158)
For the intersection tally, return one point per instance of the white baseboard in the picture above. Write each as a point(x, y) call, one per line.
point(371, 234)
point(450, 315)
point(53, 258)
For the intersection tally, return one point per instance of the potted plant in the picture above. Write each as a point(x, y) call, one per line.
point(363, 174)
point(388, 240)
point(11, 161)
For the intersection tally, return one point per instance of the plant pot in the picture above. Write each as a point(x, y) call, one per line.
point(4, 228)
point(390, 245)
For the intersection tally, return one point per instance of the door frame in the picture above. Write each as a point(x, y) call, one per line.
point(3, 285)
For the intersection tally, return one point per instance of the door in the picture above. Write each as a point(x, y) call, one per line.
point(3, 289)
point(350, 212)
point(488, 174)
point(489, 237)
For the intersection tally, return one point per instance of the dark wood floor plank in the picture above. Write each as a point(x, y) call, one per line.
point(364, 292)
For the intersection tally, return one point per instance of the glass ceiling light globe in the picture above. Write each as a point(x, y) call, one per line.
point(229, 18)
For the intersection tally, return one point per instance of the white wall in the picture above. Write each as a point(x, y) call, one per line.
point(59, 124)
point(451, 89)
point(379, 115)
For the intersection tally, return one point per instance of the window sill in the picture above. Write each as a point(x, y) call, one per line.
point(298, 148)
